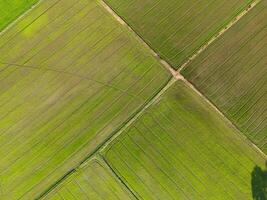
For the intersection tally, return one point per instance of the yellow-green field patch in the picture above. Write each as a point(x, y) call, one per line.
point(91, 181)
point(11, 9)
point(65, 90)
point(180, 148)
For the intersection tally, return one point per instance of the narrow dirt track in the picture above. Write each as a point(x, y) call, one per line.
point(177, 75)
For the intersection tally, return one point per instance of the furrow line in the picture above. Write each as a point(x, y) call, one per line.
point(20, 17)
point(245, 138)
point(177, 75)
point(132, 120)
point(164, 63)
point(220, 33)
point(108, 166)
point(112, 137)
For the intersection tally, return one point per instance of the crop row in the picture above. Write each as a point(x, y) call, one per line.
point(232, 74)
point(70, 76)
point(180, 148)
point(177, 29)
point(91, 181)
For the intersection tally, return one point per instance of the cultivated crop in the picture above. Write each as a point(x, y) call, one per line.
point(93, 180)
point(11, 9)
point(180, 149)
point(232, 73)
point(92, 105)
point(71, 75)
point(177, 28)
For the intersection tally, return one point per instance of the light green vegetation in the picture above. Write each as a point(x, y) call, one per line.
point(232, 73)
point(11, 9)
point(176, 29)
point(70, 77)
point(92, 181)
point(181, 149)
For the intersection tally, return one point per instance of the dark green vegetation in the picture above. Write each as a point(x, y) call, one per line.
point(11, 9)
point(181, 149)
point(93, 181)
point(177, 28)
point(259, 183)
point(232, 73)
point(70, 76)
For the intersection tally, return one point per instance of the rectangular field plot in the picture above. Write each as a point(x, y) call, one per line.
point(177, 28)
point(232, 73)
point(70, 76)
point(11, 9)
point(92, 181)
point(180, 148)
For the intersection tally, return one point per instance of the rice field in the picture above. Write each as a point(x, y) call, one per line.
point(70, 76)
point(232, 73)
point(12, 9)
point(88, 111)
point(181, 149)
point(93, 180)
point(176, 29)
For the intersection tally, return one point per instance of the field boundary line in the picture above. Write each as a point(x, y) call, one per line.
point(20, 17)
point(164, 63)
point(175, 77)
point(110, 139)
point(220, 33)
point(239, 132)
point(116, 176)
point(71, 74)
point(177, 73)
point(133, 119)
point(55, 184)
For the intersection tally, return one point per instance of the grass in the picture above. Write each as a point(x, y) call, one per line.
point(91, 181)
point(232, 74)
point(70, 76)
point(176, 29)
point(181, 149)
point(11, 9)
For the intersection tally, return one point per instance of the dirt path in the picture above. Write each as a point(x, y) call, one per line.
point(132, 120)
point(215, 37)
point(139, 38)
point(240, 134)
point(177, 75)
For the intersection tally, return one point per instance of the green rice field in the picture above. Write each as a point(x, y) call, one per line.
point(91, 181)
point(176, 29)
point(11, 9)
point(92, 107)
point(61, 98)
point(181, 149)
point(232, 73)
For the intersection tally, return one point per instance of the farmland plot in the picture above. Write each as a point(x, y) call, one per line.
point(91, 181)
point(11, 9)
point(177, 28)
point(181, 149)
point(232, 73)
point(70, 76)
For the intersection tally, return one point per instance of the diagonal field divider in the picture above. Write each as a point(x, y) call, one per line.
point(20, 17)
point(176, 76)
point(220, 33)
